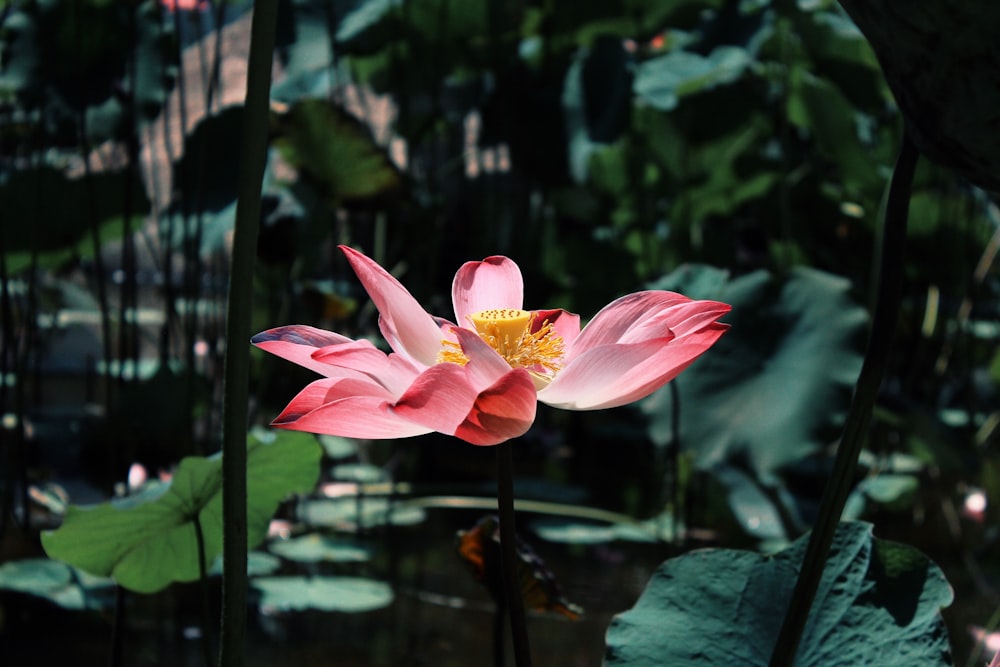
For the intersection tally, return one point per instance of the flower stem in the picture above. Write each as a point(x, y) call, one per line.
point(234, 409)
point(508, 555)
point(889, 295)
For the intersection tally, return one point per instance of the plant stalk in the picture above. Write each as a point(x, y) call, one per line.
point(889, 295)
point(234, 408)
point(508, 555)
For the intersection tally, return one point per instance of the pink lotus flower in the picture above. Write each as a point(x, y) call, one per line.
point(480, 379)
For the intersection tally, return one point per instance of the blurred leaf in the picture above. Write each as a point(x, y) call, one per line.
point(206, 172)
point(662, 81)
point(47, 212)
point(258, 564)
point(567, 531)
point(313, 548)
point(335, 151)
point(755, 511)
point(346, 594)
point(770, 391)
point(61, 584)
point(357, 512)
point(878, 604)
point(891, 489)
point(147, 541)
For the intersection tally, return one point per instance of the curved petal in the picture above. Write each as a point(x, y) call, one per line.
point(346, 407)
point(565, 324)
point(611, 375)
point(407, 327)
point(494, 282)
point(393, 371)
point(297, 343)
point(438, 399)
point(641, 316)
point(443, 399)
point(485, 365)
point(503, 411)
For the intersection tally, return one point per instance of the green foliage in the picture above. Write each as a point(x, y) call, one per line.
point(770, 392)
point(879, 603)
point(147, 541)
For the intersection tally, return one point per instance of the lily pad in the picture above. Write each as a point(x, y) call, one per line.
point(313, 548)
point(347, 594)
point(579, 532)
point(878, 604)
point(776, 386)
point(146, 542)
point(354, 512)
point(63, 585)
point(662, 81)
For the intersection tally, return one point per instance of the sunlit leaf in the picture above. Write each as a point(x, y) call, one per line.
point(568, 531)
point(147, 541)
point(345, 594)
point(877, 604)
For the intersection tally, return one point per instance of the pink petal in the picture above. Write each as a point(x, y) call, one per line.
point(444, 400)
point(494, 282)
point(565, 324)
point(346, 407)
point(406, 326)
point(504, 411)
point(616, 374)
point(297, 343)
point(393, 371)
point(642, 316)
point(485, 365)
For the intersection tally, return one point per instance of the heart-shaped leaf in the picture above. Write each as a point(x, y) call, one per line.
point(147, 541)
point(878, 604)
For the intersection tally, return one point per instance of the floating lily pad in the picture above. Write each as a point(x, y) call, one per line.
point(147, 541)
point(353, 512)
point(65, 586)
point(878, 604)
point(578, 532)
point(313, 548)
point(347, 594)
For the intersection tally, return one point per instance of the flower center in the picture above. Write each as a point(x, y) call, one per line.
point(509, 332)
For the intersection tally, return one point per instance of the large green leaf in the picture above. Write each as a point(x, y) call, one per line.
point(774, 387)
point(148, 541)
point(877, 604)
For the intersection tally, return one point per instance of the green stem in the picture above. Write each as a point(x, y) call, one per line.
point(890, 281)
point(508, 555)
point(234, 407)
point(206, 644)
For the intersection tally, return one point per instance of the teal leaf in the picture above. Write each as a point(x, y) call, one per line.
point(878, 604)
point(776, 386)
point(567, 531)
point(57, 582)
point(346, 594)
point(661, 82)
point(147, 541)
point(350, 513)
point(314, 548)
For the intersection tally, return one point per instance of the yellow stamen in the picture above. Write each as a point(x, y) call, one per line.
point(508, 331)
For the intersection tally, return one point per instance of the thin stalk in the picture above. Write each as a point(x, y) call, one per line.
point(206, 644)
point(117, 658)
point(508, 555)
point(234, 408)
point(890, 288)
